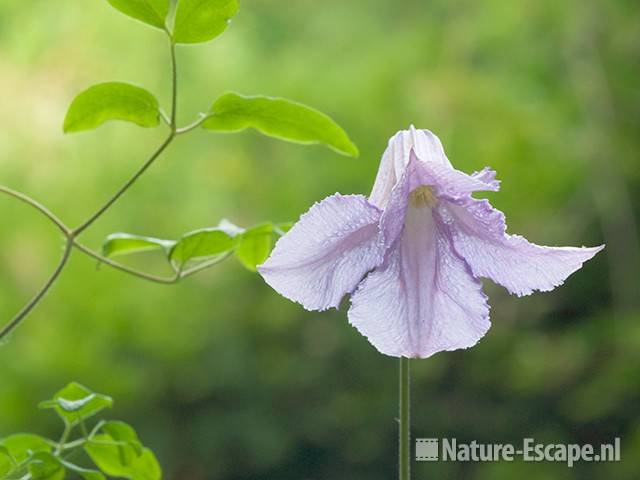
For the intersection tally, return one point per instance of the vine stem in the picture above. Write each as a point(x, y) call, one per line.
point(203, 118)
point(38, 206)
point(41, 293)
point(63, 439)
point(147, 276)
point(119, 266)
point(174, 84)
point(77, 231)
point(172, 125)
point(405, 435)
point(101, 258)
point(70, 235)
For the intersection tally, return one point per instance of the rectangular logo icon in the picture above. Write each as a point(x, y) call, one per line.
point(426, 449)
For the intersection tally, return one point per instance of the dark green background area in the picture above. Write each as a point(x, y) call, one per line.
point(223, 378)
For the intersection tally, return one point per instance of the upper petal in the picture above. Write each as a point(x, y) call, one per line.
point(446, 182)
point(326, 253)
point(488, 176)
point(479, 235)
point(428, 149)
point(451, 183)
point(423, 299)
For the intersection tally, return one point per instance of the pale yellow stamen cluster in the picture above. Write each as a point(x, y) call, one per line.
point(422, 196)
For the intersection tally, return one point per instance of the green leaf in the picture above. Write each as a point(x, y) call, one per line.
point(152, 12)
point(45, 466)
point(202, 20)
point(106, 453)
point(126, 244)
point(6, 461)
point(22, 445)
point(112, 101)
point(255, 245)
point(76, 402)
point(204, 244)
point(129, 447)
point(278, 118)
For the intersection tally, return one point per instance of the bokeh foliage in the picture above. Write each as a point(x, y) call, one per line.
point(226, 380)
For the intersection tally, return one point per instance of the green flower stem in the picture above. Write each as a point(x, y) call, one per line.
point(405, 436)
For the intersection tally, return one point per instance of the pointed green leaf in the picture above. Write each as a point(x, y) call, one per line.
point(45, 466)
point(202, 20)
point(105, 451)
point(151, 12)
point(112, 101)
point(22, 445)
point(126, 244)
point(278, 118)
point(76, 402)
point(255, 245)
point(204, 244)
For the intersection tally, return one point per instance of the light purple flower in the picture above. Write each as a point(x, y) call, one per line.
point(412, 254)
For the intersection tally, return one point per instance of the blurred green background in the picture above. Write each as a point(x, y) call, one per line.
point(223, 378)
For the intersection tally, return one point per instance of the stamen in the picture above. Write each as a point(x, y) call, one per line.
point(422, 196)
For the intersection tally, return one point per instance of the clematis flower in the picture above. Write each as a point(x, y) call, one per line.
point(412, 254)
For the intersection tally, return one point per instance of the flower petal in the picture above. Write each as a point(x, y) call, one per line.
point(423, 299)
point(326, 253)
point(446, 182)
point(488, 176)
point(429, 150)
point(479, 236)
point(451, 183)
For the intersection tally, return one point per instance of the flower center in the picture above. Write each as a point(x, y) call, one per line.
point(422, 197)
